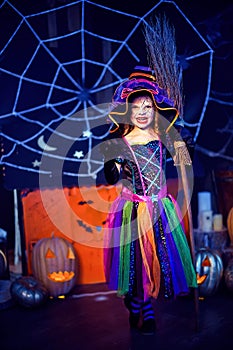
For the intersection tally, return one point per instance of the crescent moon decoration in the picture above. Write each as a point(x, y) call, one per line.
point(43, 145)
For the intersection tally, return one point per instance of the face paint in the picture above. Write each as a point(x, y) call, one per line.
point(142, 112)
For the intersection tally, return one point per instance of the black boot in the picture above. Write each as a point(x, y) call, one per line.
point(134, 317)
point(148, 327)
point(148, 324)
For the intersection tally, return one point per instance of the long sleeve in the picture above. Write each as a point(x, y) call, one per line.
point(111, 150)
point(111, 172)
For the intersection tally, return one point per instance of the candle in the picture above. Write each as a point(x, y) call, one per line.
point(217, 222)
point(204, 201)
point(205, 221)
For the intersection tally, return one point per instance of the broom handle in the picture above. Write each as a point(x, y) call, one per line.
point(192, 244)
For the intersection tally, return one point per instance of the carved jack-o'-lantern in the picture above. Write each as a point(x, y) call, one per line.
point(209, 268)
point(54, 263)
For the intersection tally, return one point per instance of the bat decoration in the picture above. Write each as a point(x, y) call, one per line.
point(85, 202)
point(87, 228)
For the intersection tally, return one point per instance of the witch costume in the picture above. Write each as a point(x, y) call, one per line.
point(146, 252)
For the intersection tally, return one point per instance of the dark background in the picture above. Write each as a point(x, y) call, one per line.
point(207, 84)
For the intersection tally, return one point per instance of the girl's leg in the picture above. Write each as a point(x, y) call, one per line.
point(137, 308)
point(148, 316)
point(134, 307)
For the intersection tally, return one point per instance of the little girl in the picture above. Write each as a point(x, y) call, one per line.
point(146, 251)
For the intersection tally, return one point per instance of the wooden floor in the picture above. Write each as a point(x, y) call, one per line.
point(93, 318)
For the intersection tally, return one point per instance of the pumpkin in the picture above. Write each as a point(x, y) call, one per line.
point(209, 268)
point(28, 292)
point(230, 225)
point(228, 275)
point(54, 263)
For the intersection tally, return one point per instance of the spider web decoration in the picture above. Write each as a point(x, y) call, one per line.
point(60, 62)
point(215, 139)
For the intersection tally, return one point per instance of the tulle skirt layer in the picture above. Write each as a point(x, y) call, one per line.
point(146, 251)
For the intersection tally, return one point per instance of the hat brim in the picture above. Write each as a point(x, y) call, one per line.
point(120, 105)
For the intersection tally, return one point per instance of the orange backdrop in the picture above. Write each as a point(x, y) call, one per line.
point(77, 214)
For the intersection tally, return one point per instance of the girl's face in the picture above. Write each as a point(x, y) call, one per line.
point(142, 112)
